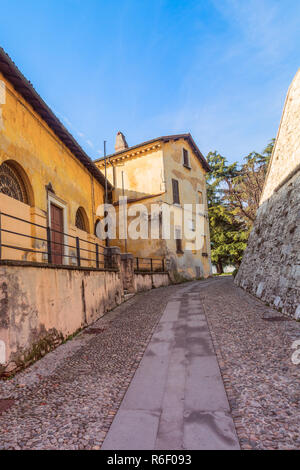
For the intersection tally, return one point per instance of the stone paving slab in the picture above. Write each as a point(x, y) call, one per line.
point(179, 381)
point(123, 433)
point(208, 430)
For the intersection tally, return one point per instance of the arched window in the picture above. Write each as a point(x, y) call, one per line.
point(11, 183)
point(81, 220)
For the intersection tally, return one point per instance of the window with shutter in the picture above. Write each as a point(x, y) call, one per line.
point(175, 186)
point(186, 160)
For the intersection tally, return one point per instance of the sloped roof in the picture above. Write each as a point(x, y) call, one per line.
point(11, 72)
point(166, 138)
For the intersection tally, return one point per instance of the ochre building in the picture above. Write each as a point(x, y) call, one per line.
point(166, 171)
point(45, 178)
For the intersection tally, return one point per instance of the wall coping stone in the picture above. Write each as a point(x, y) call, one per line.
point(114, 250)
point(151, 272)
point(32, 264)
point(127, 256)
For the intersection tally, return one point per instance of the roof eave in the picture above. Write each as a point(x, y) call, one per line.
point(164, 139)
point(11, 72)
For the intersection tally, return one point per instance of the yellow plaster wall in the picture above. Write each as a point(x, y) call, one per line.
point(26, 139)
point(143, 248)
point(143, 173)
point(152, 173)
point(191, 181)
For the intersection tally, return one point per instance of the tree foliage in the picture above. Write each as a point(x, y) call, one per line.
point(234, 193)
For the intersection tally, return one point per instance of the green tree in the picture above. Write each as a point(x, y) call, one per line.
point(245, 189)
point(228, 234)
point(234, 192)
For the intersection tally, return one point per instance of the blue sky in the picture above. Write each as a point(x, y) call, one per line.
point(219, 69)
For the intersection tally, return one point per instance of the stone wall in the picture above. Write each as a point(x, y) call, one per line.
point(286, 156)
point(271, 265)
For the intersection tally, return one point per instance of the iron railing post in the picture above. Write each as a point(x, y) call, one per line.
point(49, 249)
point(151, 265)
point(137, 264)
point(97, 255)
point(163, 265)
point(78, 251)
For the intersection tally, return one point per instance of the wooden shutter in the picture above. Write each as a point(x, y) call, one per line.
point(186, 158)
point(175, 187)
point(178, 241)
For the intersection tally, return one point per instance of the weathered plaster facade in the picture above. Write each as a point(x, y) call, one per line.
point(271, 265)
point(30, 146)
point(43, 171)
point(42, 306)
point(45, 305)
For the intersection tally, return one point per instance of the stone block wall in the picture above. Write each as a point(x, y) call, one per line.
point(286, 156)
point(271, 265)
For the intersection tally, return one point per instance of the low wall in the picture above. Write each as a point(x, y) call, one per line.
point(146, 281)
point(42, 306)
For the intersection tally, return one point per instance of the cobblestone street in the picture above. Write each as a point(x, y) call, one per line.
point(69, 399)
point(254, 353)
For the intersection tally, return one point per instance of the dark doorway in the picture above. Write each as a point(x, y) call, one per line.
point(57, 239)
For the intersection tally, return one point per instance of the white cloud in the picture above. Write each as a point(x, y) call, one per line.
point(90, 143)
point(232, 94)
point(266, 26)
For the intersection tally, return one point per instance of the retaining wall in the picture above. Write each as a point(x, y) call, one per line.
point(41, 306)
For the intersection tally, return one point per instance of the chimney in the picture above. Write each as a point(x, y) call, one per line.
point(121, 143)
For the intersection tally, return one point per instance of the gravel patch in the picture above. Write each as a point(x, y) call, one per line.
point(254, 354)
point(68, 399)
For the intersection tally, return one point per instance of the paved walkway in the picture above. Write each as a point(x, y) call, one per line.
point(176, 399)
point(68, 399)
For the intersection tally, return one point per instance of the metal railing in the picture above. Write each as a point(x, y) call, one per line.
point(150, 264)
point(43, 248)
